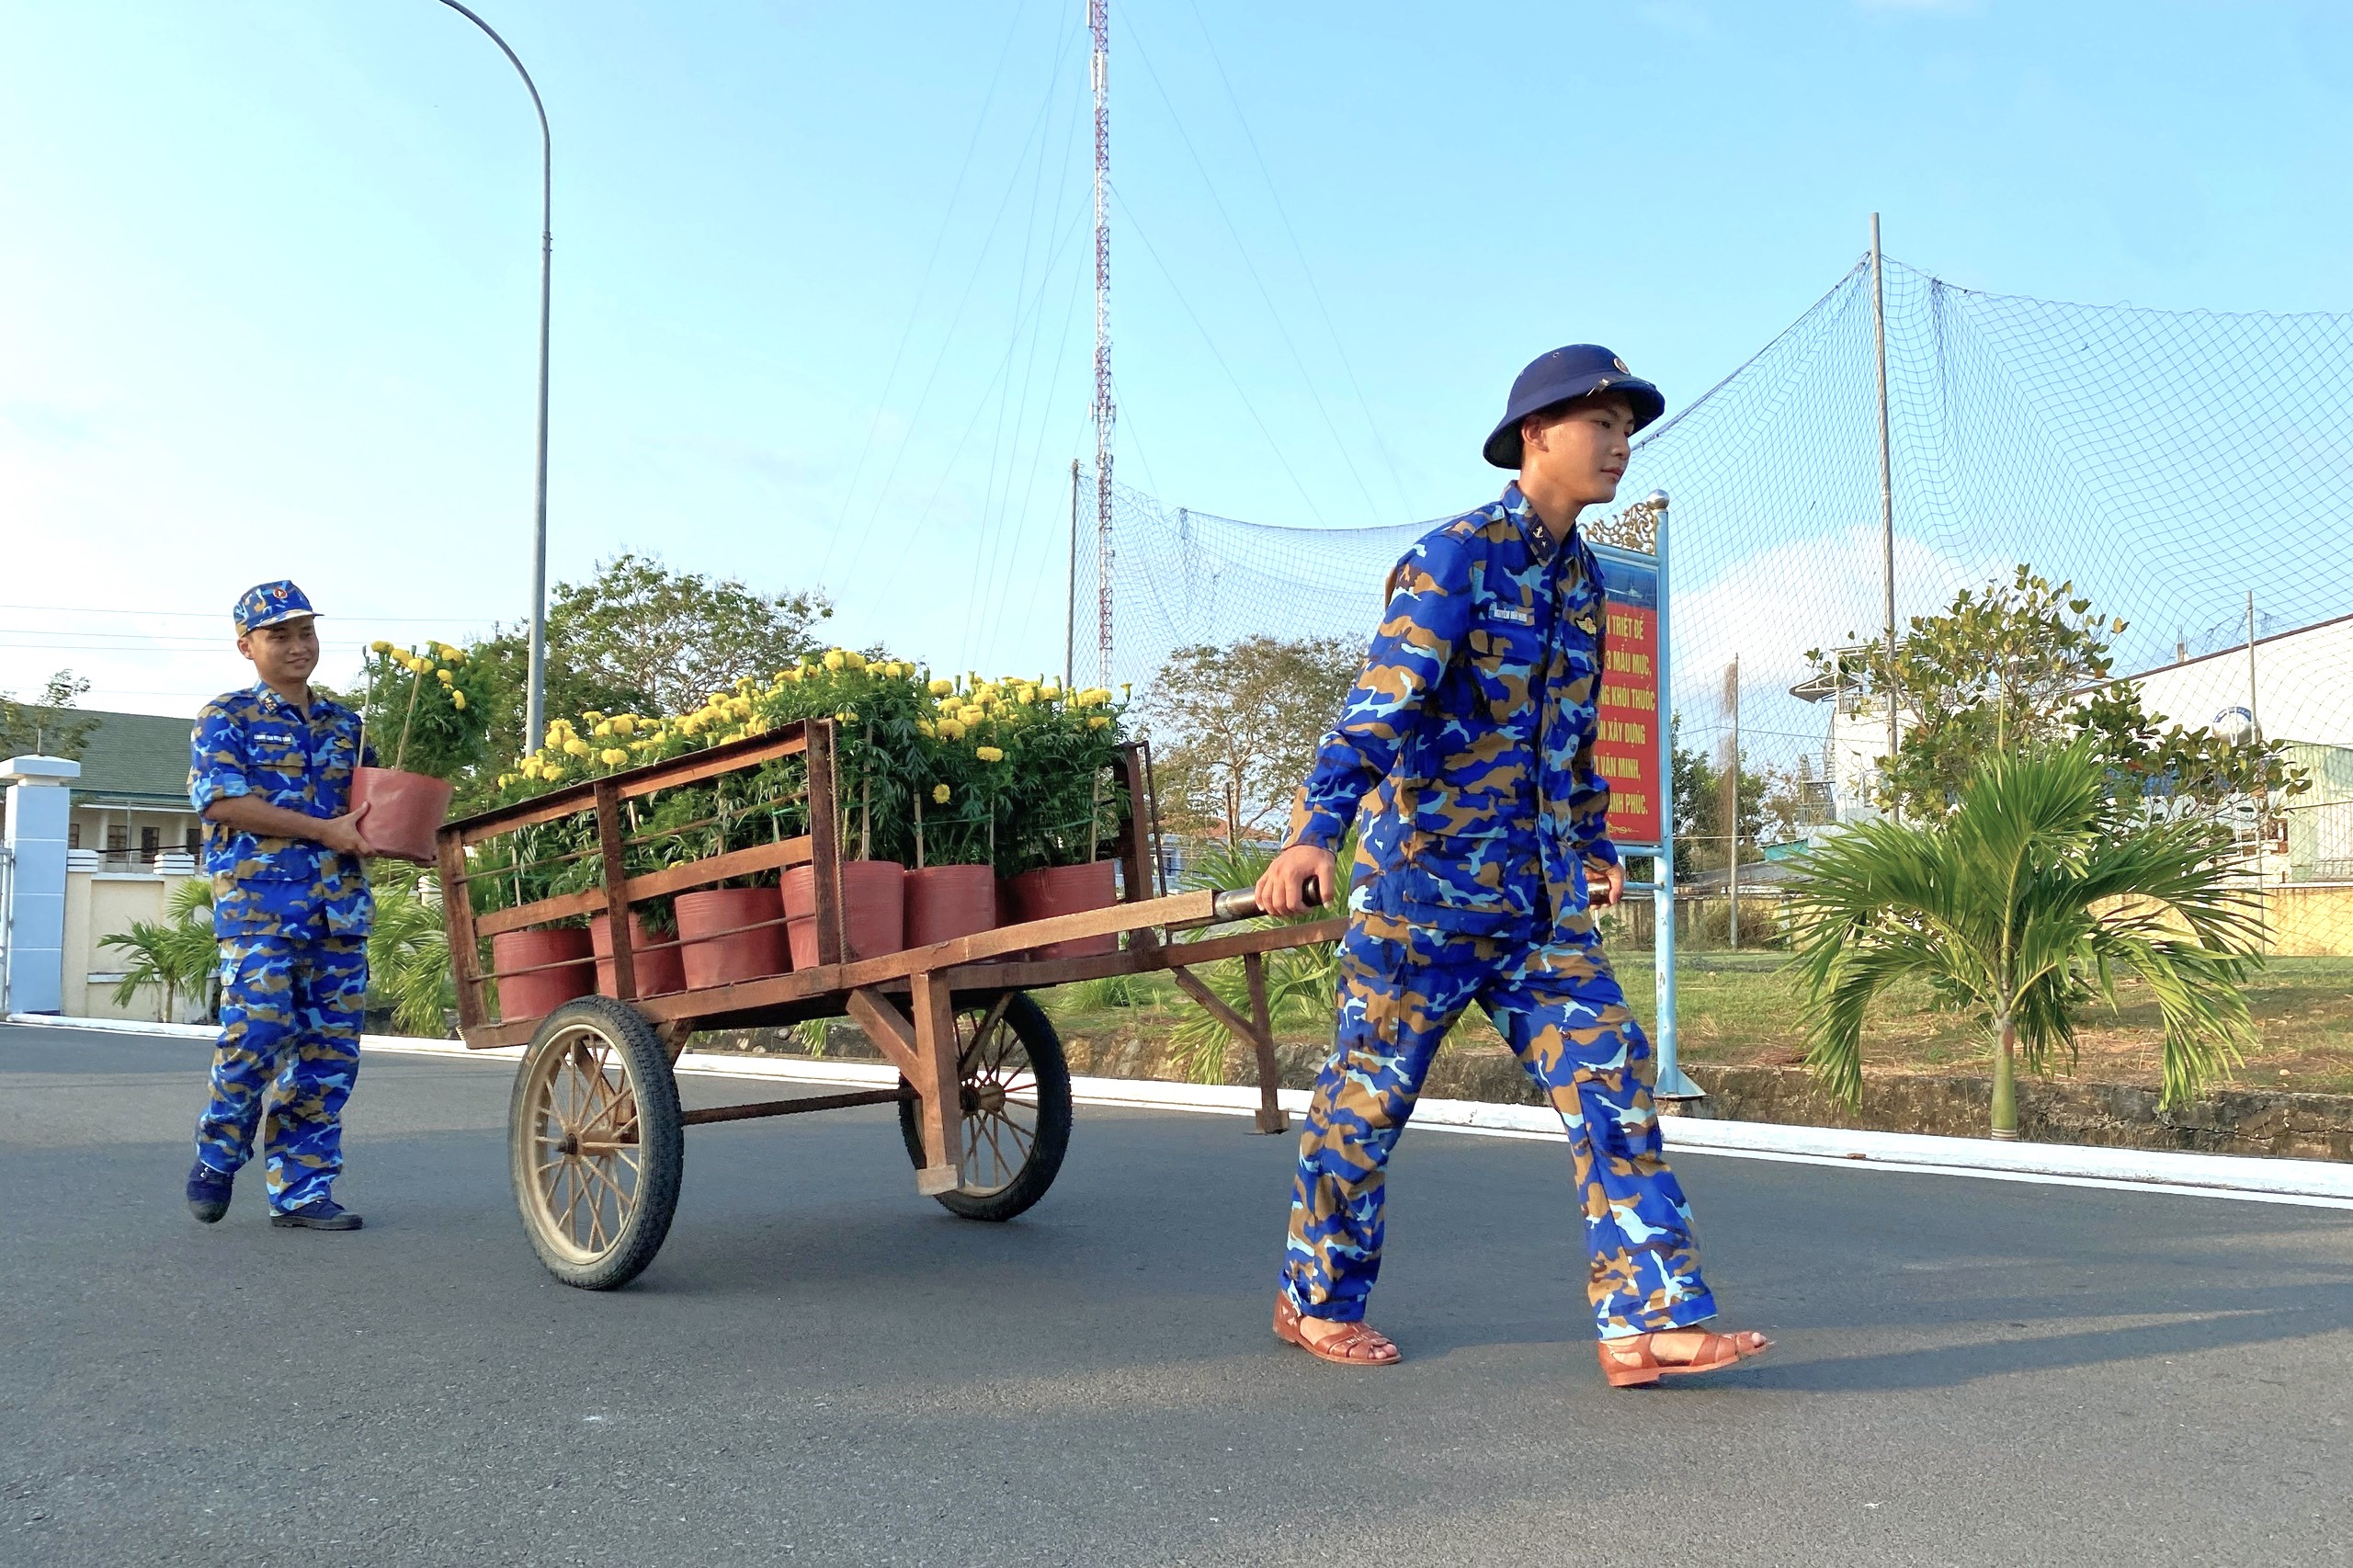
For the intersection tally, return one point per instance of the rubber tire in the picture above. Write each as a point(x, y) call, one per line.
point(1036, 1032)
point(662, 1144)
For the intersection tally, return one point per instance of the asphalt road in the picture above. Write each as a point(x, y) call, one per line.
point(823, 1367)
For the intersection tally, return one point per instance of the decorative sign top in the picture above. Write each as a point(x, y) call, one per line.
point(1634, 528)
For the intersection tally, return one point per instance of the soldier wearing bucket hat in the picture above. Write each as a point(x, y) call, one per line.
point(1465, 757)
point(270, 770)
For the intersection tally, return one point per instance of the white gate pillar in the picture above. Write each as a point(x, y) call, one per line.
point(33, 923)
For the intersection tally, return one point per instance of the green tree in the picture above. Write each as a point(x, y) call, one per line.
point(2022, 905)
point(2026, 662)
point(1235, 728)
point(639, 638)
point(49, 726)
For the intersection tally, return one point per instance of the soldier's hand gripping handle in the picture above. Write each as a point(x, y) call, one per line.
point(1293, 884)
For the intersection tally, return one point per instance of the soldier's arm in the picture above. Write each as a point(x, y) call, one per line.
point(219, 789)
point(1429, 609)
point(250, 815)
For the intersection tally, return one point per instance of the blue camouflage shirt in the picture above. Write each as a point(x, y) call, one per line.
point(1468, 740)
point(256, 743)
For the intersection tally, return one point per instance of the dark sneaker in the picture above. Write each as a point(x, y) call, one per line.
point(320, 1214)
point(208, 1192)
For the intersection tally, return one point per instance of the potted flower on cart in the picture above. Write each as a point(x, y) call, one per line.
point(1066, 803)
point(964, 791)
point(424, 713)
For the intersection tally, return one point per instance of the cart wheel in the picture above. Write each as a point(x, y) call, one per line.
point(1016, 1109)
point(594, 1144)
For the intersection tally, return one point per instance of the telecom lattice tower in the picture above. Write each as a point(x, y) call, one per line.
point(1098, 22)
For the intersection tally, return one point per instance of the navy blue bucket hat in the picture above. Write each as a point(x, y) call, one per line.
point(1576, 372)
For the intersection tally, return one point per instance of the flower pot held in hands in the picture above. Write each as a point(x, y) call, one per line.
point(655, 958)
point(402, 809)
point(527, 986)
point(947, 901)
point(875, 893)
point(1066, 889)
point(729, 934)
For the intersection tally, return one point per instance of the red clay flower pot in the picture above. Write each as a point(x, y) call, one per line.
point(947, 901)
point(875, 893)
point(657, 959)
point(1067, 890)
point(543, 990)
point(716, 947)
point(404, 810)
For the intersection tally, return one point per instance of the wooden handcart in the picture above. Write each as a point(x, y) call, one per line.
point(596, 1130)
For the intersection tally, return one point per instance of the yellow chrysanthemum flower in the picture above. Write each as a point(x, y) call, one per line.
point(941, 794)
point(592, 716)
point(1099, 722)
point(459, 699)
point(988, 753)
point(835, 660)
point(622, 724)
point(380, 646)
point(445, 677)
point(575, 747)
point(553, 775)
point(926, 727)
point(949, 729)
point(942, 687)
point(847, 715)
point(455, 655)
point(793, 676)
point(741, 708)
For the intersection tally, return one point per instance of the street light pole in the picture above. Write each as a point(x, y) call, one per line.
point(536, 691)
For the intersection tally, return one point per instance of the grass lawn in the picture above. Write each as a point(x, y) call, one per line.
point(1739, 1009)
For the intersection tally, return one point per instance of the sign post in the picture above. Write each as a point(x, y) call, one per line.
point(1635, 751)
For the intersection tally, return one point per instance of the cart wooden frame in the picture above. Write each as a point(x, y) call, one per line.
point(595, 1126)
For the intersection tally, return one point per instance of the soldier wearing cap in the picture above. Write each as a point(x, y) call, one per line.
point(1465, 756)
point(270, 769)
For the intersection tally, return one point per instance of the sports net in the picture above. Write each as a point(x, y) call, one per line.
point(2190, 472)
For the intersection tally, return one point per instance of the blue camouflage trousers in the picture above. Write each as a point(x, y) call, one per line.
point(1559, 1008)
point(291, 1012)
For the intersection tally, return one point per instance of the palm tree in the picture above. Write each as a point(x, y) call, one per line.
point(408, 951)
point(178, 954)
point(2026, 903)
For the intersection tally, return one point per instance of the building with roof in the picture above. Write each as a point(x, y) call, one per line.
point(131, 803)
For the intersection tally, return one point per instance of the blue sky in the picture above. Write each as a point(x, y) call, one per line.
point(268, 269)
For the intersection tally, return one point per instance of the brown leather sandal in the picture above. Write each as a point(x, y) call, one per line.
point(1715, 1352)
point(1358, 1345)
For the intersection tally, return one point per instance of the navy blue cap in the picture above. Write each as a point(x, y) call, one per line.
point(1577, 370)
point(270, 603)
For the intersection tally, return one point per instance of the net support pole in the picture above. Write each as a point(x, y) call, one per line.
point(2254, 713)
point(1731, 828)
point(1886, 496)
point(1672, 1083)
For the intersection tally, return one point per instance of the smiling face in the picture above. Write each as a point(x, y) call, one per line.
point(284, 654)
point(1577, 451)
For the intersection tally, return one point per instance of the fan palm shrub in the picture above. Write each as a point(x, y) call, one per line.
point(177, 954)
point(2027, 903)
point(408, 951)
point(1302, 982)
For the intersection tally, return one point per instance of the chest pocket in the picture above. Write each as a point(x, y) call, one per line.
point(1505, 656)
point(279, 758)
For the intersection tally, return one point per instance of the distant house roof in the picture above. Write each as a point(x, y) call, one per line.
point(135, 759)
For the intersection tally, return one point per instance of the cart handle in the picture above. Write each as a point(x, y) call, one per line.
point(1242, 903)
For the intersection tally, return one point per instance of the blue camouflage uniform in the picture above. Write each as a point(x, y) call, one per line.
point(291, 918)
point(1466, 753)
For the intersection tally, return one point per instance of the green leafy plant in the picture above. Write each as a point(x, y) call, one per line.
point(408, 951)
point(178, 955)
point(1302, 983)
point(2025, 904)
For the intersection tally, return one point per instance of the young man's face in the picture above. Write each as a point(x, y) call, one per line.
point(283, 654)
point(1579, 450)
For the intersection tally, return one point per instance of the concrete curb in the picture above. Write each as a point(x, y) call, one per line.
point(2319, 1184)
